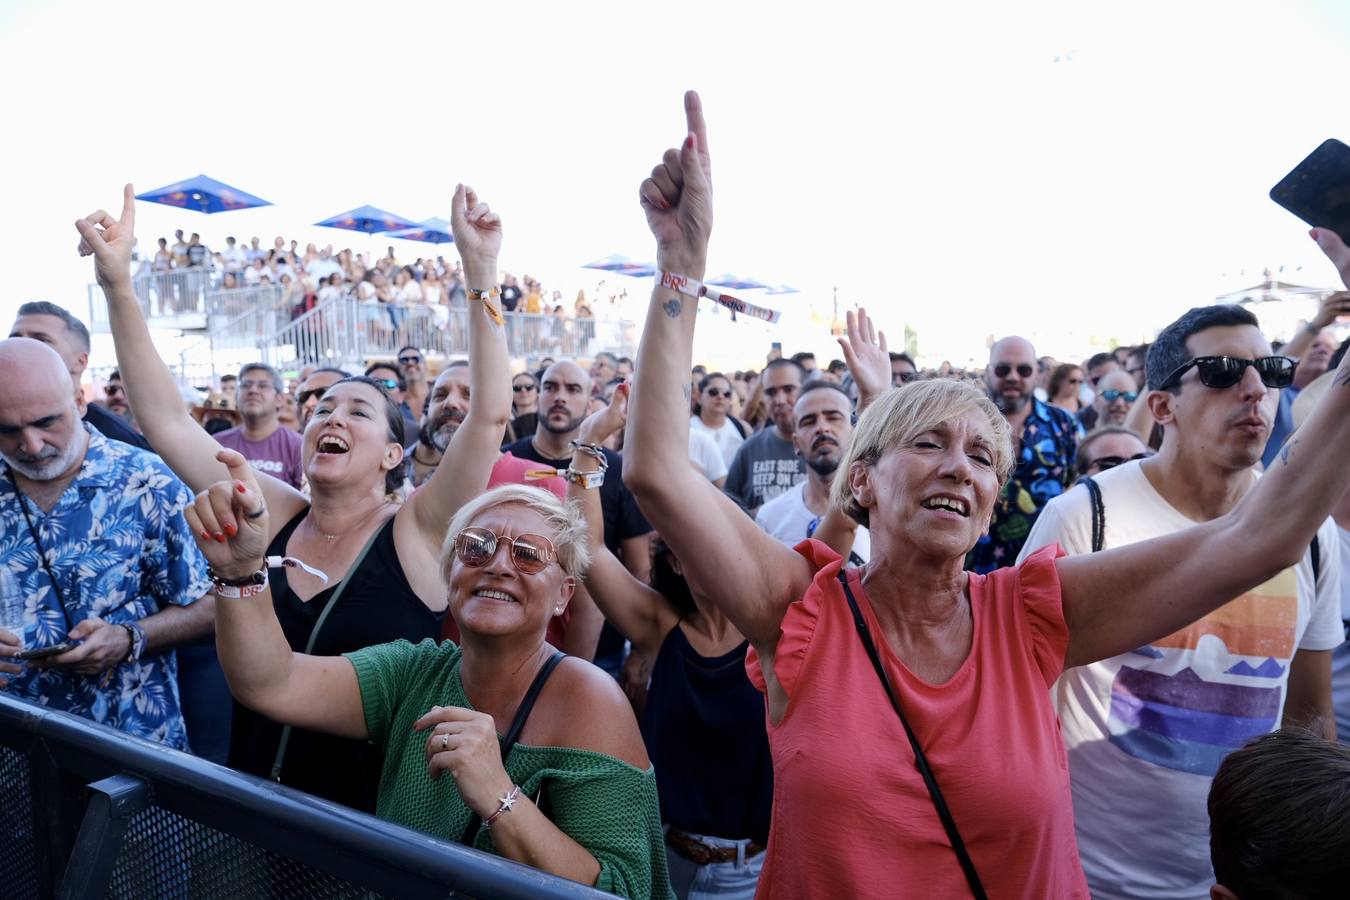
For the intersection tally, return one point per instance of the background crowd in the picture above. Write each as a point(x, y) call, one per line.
point(397, 578)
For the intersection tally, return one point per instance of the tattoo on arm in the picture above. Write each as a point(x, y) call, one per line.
point(673, 307)
point(1286, 450)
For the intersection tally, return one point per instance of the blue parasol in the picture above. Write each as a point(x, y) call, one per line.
point(367, 219)
point(783, 289)
point(736, 283)
point(431, 231)
point(204, 195)
point(618, 263)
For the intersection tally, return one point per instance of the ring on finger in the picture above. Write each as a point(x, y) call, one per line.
point(257, 513)
point(445, 742)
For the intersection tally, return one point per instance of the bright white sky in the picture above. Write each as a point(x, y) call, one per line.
point(932, 161)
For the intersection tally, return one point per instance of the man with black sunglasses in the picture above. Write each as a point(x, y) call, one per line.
point(412, 365)
point(1045, 439)
point(1146, 730)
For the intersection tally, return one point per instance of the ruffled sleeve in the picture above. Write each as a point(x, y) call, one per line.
point(799, 623)
point(1042, 606)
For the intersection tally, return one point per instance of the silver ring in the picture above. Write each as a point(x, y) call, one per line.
point(445, 742)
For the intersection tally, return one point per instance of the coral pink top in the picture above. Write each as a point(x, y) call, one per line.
point(851, 815)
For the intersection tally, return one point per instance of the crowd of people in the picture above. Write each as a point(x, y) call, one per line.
point(1045, 629)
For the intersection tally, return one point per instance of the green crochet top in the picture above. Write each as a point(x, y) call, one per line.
point(604, 804)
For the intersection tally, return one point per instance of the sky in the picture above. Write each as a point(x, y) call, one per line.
point(1076, 172)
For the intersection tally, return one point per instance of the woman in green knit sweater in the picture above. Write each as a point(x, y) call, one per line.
point(575, 795)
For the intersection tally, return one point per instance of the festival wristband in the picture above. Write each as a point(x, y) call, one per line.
point(255, 582)
point(488, 297)
point(585, 479)
point(685, 285)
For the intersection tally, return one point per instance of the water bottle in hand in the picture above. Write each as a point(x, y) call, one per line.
point(12, 604)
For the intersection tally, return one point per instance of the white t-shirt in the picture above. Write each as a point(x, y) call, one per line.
point(1145, 731)
point(1340, 657)
point(786, 518)
point(707, 458)
point(728, 437)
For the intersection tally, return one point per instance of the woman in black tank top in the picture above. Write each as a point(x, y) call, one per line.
point(703, 721)
point(380, 555)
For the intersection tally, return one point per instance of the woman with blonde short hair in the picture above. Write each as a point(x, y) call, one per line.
point(916, 750)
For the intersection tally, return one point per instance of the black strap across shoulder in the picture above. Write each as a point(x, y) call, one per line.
point(1098, 512)
point(920, 760)
point(513, 733)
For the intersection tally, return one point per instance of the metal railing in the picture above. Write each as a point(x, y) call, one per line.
point(351, 331)
point(88, 812)
point(176, 295)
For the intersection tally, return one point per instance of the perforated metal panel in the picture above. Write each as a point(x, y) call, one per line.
point(166, 856)
point(18, 853)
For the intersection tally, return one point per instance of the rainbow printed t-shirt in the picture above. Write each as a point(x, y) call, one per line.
point(1145, 731)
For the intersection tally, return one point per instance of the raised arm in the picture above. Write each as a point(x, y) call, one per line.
point(316, 692)
point(638, 611)
point(150, 386)
point(727, 559)
point(464, 470)
point(1123, 598)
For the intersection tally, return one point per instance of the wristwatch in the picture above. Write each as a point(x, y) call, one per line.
point(137, 635)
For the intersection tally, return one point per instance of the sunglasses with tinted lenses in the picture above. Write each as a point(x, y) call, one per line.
point(717, 392)
point(409, 360)
point(1113, 396)
point(530, 553)
point(522, 388)
point(1023, 371)
point(390, 384)
point(904, 377)
point(1102, 463)
point(1225, 371)
point(112, 390)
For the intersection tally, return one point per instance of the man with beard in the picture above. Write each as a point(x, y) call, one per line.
point(1045, 442)
point(412, 365)
point(447, 406)
point(564, 395)
point(1116, 393)
point(95, 535)
point(44, 321)
point(261, 440)
point(824, 417)
point(115, 398)
point(767, 463)
point(1146, 730)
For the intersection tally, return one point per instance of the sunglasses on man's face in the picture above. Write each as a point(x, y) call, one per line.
point(530, 553)
point(409, 360)
point(1225, 371)
point(1102, 463)
point(1113, 396)
point(904, 377)
point(112, 390)
point(1023, 371)
point(390, 384)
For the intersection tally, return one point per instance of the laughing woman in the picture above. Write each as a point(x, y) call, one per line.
point(915, 748)
point(381, 558)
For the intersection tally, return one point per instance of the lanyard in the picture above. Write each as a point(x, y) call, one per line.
point(42, 554)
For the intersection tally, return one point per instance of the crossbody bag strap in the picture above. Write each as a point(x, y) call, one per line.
point(920, 760)
point(314, 637)
point(513, 733)
point(1098, 512)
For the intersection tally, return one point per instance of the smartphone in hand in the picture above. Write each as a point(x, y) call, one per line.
point(44, 652)
point(1318, 189)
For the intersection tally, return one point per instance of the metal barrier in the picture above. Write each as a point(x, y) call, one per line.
point(351, 331)
point(176, 295)
point(227, 304)
point(87, 812)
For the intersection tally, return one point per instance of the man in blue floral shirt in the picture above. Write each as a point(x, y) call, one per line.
point(1045, 441)
point(93, 532)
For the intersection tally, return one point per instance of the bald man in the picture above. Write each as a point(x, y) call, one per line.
point(564, 392)
point(1045, 441)
point(126, 582)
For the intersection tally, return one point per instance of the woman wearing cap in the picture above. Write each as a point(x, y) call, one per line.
point(967, 658)
point(569, 790)
point(381, 558)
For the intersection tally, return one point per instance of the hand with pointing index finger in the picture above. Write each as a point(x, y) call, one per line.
point(677, 198)
point(110, 241)
point(229, 520)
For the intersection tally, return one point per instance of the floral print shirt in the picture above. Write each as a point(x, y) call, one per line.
point(120, 550)
point(1042, 471)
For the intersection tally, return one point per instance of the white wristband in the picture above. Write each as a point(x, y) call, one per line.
point(683, 284)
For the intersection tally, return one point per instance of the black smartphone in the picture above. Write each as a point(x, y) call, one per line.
point(44, 652)
point(777, 345)
point(1318, 189)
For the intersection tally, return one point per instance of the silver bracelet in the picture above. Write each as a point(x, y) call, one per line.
point(507, 802)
